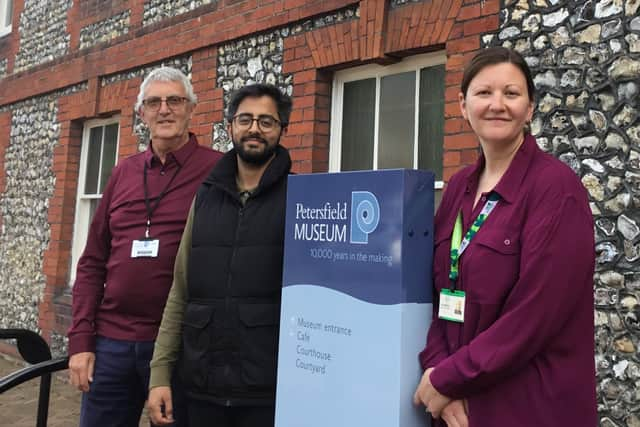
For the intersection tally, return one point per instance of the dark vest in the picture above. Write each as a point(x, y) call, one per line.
point(231, 322)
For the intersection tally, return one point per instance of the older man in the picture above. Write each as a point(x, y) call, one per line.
point(126, 270)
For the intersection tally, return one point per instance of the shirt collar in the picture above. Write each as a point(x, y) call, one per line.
point(179, 156)
point(511, 182)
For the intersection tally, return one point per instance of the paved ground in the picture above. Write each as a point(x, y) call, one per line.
point(18, 406)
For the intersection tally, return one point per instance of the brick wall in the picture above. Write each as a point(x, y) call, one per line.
point(378, 35)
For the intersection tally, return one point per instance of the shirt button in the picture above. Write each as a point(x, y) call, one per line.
point(162, 173)
point(484, 198)
point(507, 242)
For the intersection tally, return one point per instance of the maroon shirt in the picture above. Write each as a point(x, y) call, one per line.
point(117, 296)
point(524, 355)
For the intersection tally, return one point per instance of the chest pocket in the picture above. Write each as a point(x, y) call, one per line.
point(491, 265)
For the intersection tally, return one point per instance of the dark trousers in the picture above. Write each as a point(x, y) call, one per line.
point(205, 414)
point(120, 385)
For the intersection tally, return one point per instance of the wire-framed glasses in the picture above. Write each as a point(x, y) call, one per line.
point(173, 102)
point(266, 123)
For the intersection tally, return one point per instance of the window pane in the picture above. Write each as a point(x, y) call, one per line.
point(358, 115)
point(108, 153)
point(93, 161)
point(431, 123)
point(93, 205)
point(8, 10)
point(397, 121)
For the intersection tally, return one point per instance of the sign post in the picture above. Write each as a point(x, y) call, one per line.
point(356, 298)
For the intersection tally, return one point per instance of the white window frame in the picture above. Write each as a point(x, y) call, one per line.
point(412, 63)
point(6, 12)
point(81, 221)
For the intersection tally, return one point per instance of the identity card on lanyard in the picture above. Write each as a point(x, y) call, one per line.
point(452, 301)
point(148, 247)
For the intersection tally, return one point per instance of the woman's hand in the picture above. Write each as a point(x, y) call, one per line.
point(455, 414)
point(429, 396)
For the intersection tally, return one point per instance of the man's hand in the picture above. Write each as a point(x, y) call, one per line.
point(455, 414)
point(159, 399)
point(429, 396)
point(81, 369)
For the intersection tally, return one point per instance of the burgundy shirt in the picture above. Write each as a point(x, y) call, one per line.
point(524, 355)
point(118, 296)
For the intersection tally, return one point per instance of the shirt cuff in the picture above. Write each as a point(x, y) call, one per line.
point(160, 376)
point(448, 381)
point(80, 343)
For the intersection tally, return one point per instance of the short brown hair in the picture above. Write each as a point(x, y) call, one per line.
point(494, 56)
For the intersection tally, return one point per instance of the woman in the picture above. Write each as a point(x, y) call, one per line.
point(511, 342)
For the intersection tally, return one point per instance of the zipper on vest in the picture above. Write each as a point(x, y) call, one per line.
point(227, 297)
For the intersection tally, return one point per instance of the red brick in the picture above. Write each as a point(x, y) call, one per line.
point(460, 141)
point(456, 125)
point(469, 12)
point(464, 44)
point(451, 158)
point(481, 25)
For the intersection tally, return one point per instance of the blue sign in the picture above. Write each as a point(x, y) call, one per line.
point(356, 299)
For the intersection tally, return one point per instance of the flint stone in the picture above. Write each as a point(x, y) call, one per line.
point(594, 165)
point(560, 37)
point(559, 121)
point(618, 204)
point(616, 142)
point(634, 42)
point(613, 183)
point(532, 23)
point(548, 103)
point(627, 91)
point(541, 42)
point(611, 28)
point(626, 116)
point(570, 160)
point(551, 20)
point(547, 79)
point(607, 8)
point(586, 144)
point(578, 102)
point(634, 134)
point(593, 186)
point(561, 143)
point(509, 33)
point(573, 56)
point(571, 79)
point(615, 163)
point(612, 278)
point(608, 228)
point(599, 53)
point(589, 35)
point(598, 119)
point(634, 159)
point(624, 345)
point(628, 227)
point(620, 368)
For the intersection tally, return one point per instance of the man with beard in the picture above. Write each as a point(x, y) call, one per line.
point(220, 324)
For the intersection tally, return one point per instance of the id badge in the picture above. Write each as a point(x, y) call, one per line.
point(451, 305)
point(145, 248)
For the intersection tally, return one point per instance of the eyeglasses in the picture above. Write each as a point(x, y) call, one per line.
point(266, 123)
point(173, 102)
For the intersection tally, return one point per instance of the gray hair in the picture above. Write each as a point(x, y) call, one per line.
point(166, 74)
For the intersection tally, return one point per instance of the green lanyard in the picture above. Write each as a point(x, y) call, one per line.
point(458, 244)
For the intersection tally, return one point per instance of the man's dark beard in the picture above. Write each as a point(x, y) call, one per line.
point(257, 159)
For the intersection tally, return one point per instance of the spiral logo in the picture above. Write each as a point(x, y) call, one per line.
point(365, 216)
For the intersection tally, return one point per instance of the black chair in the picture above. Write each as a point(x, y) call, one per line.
point(34, 350)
